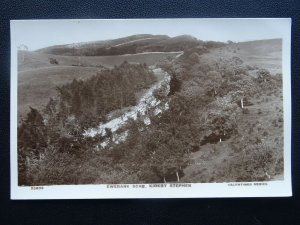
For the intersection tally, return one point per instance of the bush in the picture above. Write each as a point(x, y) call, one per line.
point(259, 162)
point(53, 61)
point(246, 111)
point(265, 133)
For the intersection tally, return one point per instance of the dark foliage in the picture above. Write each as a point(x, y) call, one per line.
point(91, 100)
point(175, 84)
point(53, 61)
point(80, 104)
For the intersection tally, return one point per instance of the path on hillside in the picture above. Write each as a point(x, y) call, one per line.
point(133, 41)
point(148, 53)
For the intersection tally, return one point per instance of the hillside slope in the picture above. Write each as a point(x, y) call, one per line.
point(128, 45)
point(266, 54)
point(94, 48)
point(255, 150)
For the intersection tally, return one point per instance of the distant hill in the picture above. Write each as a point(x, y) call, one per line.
point(269, 47)
point(103, 48)
point(127, 45)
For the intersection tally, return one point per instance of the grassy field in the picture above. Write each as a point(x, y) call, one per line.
point(35, 60)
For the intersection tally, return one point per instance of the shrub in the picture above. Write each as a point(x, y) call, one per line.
point(250, 130)
point(265, 133)
point(53, 61)
point(258, 162)
point(246, 111)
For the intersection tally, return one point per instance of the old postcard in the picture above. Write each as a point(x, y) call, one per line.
point(150, 108)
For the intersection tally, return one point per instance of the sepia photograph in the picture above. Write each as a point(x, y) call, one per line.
point(150, 108)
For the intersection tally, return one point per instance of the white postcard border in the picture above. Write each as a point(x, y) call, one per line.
point(194, 190)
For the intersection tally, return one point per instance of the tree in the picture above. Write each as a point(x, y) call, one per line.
point(213, 82)
point(32, 140)
point(23, 48)
point(175, 84)
point(32, 132)
point(220, 122)
point(53, 61)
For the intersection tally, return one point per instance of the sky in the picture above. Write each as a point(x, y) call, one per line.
point(36, 34)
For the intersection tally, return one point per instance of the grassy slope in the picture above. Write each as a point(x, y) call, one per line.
point(34, 60)
point(210, 164)
point(131, 44)
point(263, 54)
point(65, 49)
point(264, 120)
point(36, 86)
